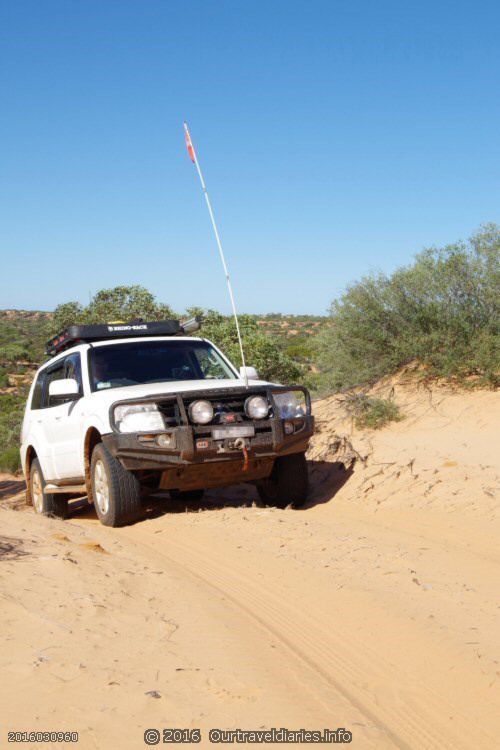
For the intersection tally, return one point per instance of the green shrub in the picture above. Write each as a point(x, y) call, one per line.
point(373, 413)
point(4, 378)
point(10, 460)
point(23, 335)
point(261, 351)
point(443, 311)
point(119, 303)
point(11, 415)
point(300, 348)
point(13, 352)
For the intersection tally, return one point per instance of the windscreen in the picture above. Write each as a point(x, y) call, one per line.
point(141, 362)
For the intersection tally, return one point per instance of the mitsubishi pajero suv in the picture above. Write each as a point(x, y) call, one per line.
point(121, 409)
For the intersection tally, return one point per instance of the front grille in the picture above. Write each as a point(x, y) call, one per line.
point(170, 412)
point(175, 410)
point(227, 403)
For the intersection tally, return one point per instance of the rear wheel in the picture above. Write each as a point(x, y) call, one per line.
point(288, 483)
point(43, 503)
point(116, 491)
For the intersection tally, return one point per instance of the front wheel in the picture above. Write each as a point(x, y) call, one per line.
point(288, 483)
point(116, 491)
point(43, 503)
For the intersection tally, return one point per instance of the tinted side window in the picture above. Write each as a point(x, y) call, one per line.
point(36, 399)
point(56, 373)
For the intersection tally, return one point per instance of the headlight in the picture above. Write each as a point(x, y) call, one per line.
point(290, 404)
point(201, 412)
point(138, 418)
point(256, 407)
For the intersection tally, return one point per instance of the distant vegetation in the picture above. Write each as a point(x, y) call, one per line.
point(22, 338)
point(442, 311)
point(11, 414)
point(23, 335)
point(126, 303)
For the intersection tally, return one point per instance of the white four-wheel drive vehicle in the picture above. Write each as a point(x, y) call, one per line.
point(120, 409)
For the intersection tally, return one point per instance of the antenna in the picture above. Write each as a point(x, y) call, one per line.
point(194, 159)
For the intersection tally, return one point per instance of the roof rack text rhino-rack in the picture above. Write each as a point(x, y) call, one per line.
point(85, 334)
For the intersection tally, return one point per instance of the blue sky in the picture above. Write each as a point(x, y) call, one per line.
point(336, 138)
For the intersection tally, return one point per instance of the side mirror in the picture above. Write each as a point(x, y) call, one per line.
point(250, 372)
point(60, 390)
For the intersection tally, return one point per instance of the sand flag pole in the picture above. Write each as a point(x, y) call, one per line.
point(194, 159)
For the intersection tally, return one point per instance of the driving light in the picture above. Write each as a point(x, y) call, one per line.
point(166, 440)
point(256, 407)
point(201, 412)
point(138, 418)
point(289, 405)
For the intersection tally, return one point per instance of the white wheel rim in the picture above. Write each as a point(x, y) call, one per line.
point(37, 492)
point(101, 487)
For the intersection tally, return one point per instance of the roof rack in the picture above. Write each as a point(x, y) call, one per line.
point(85, 334)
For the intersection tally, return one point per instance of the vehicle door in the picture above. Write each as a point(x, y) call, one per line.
point(63, 421)
point(33, 433)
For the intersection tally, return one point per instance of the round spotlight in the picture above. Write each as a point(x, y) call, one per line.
point(164, 441)
point(256, 407)
point(201, 412)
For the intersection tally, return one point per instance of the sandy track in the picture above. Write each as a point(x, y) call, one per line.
point(376, 611)
point(376, 651)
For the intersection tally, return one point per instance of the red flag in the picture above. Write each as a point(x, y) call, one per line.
point(189, 145)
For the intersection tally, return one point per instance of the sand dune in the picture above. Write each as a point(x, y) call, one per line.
point(374, 608)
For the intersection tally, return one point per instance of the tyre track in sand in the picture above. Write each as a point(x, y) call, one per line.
point(413, 716)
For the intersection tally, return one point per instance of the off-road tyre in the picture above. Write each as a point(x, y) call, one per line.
point(188, 496)
point(123, 505)
point(288, 483)
point(45, 503)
